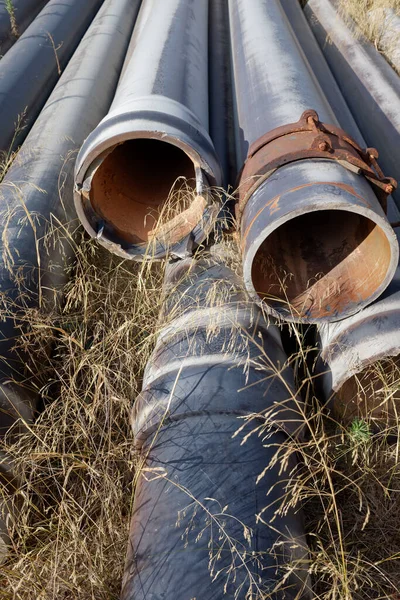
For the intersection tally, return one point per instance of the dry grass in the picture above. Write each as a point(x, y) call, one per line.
point(349, 486)
point(374, 21)
point(6, 158)
point(71, 518)
point(77, 462)
point(373, 394)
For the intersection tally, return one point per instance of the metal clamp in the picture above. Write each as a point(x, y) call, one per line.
point(308, 138)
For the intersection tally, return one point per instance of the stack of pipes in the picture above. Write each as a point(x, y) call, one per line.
point(31, 68)
point(359, 354)
point(313, 213)
point(40, 183)
point(317, 247)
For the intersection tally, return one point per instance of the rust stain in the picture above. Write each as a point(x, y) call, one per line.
point(181, 225)
point(275, 201)
point(140, 182)
point(250, 225)
point(299, 270)
point(274, 205)
point(306, 139)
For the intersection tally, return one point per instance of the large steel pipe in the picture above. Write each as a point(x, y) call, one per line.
point(40, 184)
point(142, 175)
point(316, 243)
point(30, 70)
point(216, 360)
point(358, 370)
point(14, 23)
point(320, 68)
point(369, 84)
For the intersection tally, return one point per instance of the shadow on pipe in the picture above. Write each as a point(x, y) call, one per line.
point(222, 128)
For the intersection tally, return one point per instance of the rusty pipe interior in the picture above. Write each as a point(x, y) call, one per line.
point(140, 184)
point(321, 263)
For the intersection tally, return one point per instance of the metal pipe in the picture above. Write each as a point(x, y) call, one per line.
point(351, 348)
point(155, 136)
point(369, 85)
point(297, 257)
point(40, 184)
point(320, 68)
point(360, 358)
point(30, 70)
point(215, 361)
point(13, 25)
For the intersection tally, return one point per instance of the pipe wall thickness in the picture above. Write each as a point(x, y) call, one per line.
point(295, 257)
point(40, 183)
point(30, 70)
point(369, 85)
point(155, 134)
point(215, 361)
point(12, 27)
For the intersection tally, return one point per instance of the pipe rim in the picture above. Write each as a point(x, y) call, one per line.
point(92, 156)
point(178, 126)
point(366, 354)
point(381, 222)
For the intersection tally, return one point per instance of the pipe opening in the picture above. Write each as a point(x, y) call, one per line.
point(321, 264)
point(373, 394)
point(142, 184)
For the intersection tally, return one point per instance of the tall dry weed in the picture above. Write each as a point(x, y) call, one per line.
point(376, 20)
point(76, 461)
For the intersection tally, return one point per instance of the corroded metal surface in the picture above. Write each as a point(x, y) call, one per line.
point(156, 131)
point(296, 255)
point(303, 234)
point(216, 360)
point(308, 138)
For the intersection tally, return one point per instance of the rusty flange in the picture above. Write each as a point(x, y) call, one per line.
point(308, 138)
